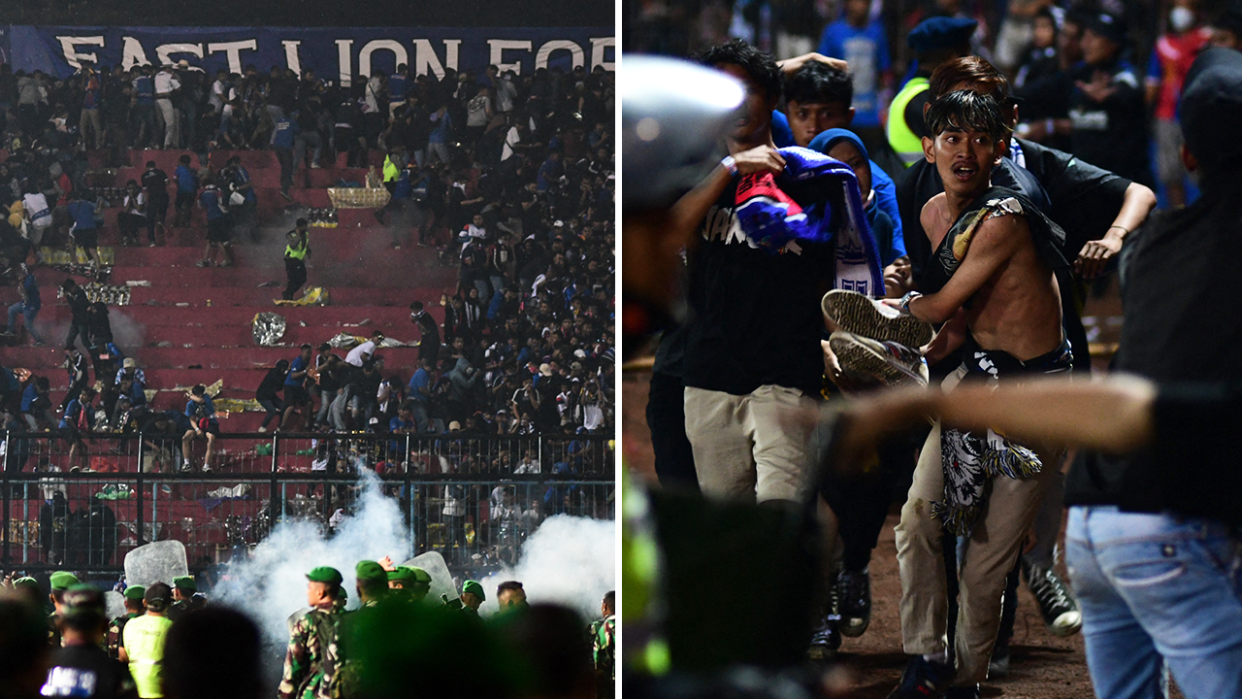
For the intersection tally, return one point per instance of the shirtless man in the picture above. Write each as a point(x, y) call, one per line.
point(991, 281)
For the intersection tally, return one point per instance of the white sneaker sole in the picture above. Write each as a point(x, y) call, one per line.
point(857, 358)
point(1066, 624)
point(855, 313)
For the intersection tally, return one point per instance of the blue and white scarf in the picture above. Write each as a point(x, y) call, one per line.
point(772, 219)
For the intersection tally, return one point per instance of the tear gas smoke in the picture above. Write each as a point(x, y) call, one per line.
point(568, 560)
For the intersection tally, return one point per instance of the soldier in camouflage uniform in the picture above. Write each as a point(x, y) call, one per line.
point(414, 583)
point(185, 597)
point(310, 663)
point(471, 597)
point(604, 641)
point(60, 581)
point(372, 586)
point(134, 607)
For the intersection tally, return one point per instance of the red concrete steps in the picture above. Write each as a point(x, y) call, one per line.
point(262, 298)
point(335, 246)
point(266, 177)
point(219, 358)
point(397, 315)
point(395, 278)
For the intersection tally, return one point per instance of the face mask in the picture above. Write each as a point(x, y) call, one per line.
point(1181, 18)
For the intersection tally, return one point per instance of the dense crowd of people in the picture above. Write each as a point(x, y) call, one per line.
point(171, 642)
point(995, 192)
point(518, 173)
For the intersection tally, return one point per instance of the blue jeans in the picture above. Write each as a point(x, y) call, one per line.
point(19, 308)
point(1157, 589)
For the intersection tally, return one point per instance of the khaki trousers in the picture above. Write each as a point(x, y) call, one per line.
point(752, 447)
point(1009, 511)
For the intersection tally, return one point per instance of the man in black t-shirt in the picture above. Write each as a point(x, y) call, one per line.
point(155, 183)
point(82, 668)
point(1108, 117)
point(429, 341)
point(752, 342)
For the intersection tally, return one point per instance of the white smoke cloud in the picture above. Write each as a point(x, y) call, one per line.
point(568, 560)
point(271, 584)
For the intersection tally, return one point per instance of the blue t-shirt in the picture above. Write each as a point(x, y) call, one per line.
point(396, 88)
point(83, 213)
point(210, 199)
point(144, 89)
point(70, 418)
point(886, 201)
point(298, 364)
point(549, 172)
point(242, 178)
point(31, 285)
point(191, 407)
point(285, 130)
point(441, 131)
point(181, 423)
point(782, 135)
point(29, 396)
point(419, 381)
point(11, 383)
point(866, 50)
point(187, 181)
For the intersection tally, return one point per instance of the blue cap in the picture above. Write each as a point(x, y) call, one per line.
point(941, 33)
point(1109, 26)
point(1211, 105)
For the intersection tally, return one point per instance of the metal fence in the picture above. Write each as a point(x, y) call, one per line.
point(474, 499)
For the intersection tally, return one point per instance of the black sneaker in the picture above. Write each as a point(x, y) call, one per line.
point(922, 679)
point(998, 664)
point(826, 639)
point(855, 313)
point(1057, 604)
point(854, 601)
point(967, 692)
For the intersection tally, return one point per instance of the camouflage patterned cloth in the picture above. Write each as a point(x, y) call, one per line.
point(115, 638)
point(310, 662)
point(604, 644)
point(180, 608)
point(54, 638)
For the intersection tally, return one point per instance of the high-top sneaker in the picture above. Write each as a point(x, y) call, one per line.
point(1057, 604)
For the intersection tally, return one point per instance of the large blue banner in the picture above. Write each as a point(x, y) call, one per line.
point(339, 54)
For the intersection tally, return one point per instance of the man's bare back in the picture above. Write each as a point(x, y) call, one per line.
point(1009, 298)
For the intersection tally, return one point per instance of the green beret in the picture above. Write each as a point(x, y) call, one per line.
point(404, 574)
point(421, 576)
point(474, 588)
point(135, 592)
point(185, 582)
point(83, 600)
point(325, 574)
point(370, 570)
point(63, 581)
point(26, 582)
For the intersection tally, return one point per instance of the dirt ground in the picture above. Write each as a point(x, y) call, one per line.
point(1042, 666)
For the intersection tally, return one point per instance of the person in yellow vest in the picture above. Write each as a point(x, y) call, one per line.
point(934, 41)
point(297, 248)
point(144, 638)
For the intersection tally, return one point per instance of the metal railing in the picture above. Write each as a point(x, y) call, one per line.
point(474, 499)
